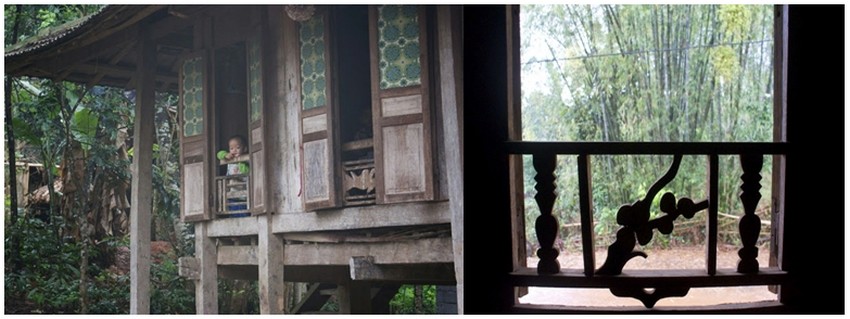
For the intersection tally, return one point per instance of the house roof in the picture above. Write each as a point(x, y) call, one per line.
point(100, 49)
point(49, 36)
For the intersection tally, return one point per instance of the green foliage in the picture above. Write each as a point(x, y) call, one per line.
point(83, 126)
point(38, 19)
point(236, 296)
point(56, 119)
point(171, 294)
point(46, 284)
point(661, 73)
point(51, 285)
point(404, 300)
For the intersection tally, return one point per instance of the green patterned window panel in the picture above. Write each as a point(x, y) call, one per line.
point(398, 43)
point(193, 96)
point(254, 78)
point(313, 83)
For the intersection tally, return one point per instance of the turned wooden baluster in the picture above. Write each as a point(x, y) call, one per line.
point(546, 225)
point(750, 224)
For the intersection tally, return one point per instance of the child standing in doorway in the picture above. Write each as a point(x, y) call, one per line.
point(237, 146)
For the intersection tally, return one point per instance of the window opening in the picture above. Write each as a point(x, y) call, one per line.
point(351, 28)
point(232, 172)
point(665, 73)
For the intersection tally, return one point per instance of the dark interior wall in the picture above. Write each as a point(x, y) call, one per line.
point(814, 202)
point(351, 36)
point(230, 94)
point(486, 207)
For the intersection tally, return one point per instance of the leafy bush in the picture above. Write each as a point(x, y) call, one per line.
point(49, 280)
point(170, 293)
point(42, 285)
point(404, 301)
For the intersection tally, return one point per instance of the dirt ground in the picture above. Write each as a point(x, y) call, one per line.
point(674, 258)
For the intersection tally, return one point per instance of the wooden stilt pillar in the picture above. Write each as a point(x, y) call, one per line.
point(140, 211)
point(270, 261)
point(206, 286)
point(354, 297)
point(448, 29)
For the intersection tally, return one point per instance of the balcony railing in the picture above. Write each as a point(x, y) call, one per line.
point(233, 192)
point(637, 227)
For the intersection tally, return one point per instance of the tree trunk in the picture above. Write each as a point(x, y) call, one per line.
point(10, 140)
point(417, 299)
point(84, 267)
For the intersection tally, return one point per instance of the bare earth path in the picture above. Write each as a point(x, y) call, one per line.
point(674, 258)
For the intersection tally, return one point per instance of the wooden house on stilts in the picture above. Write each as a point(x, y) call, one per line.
point(350, 115)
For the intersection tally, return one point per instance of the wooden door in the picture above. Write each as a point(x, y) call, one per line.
point(317, 112)
point(194, 118)
point(401, 104)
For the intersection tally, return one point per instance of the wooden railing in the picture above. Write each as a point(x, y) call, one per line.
point(233, 191)
point(648, 286)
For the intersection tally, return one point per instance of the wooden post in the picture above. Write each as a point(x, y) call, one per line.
point(270, 262)
point(546, 225)
point(485, 130)
point(206, 287)
point(140, 211)
point(711, 219)
point(451, 95)
point(750, 224)
point(586, 214)
point(354, 297)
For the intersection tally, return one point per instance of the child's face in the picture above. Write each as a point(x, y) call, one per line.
point(235, 147)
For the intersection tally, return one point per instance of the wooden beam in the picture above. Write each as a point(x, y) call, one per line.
point(316, 273)
point(407, 214)
point(367, 236)
point(237, 255)
point(365, 268)
point(428, 250)
point(648, 148)
point(140, 211)
point(451, 102)
point(123, 52)
point(233, 227)
point(182, 42)
point(241, 272)
point(95, 80)
point(314, 299)
point(648, 278)
point(122, 71)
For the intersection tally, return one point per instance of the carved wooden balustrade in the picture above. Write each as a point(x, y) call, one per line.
point(648, 286)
